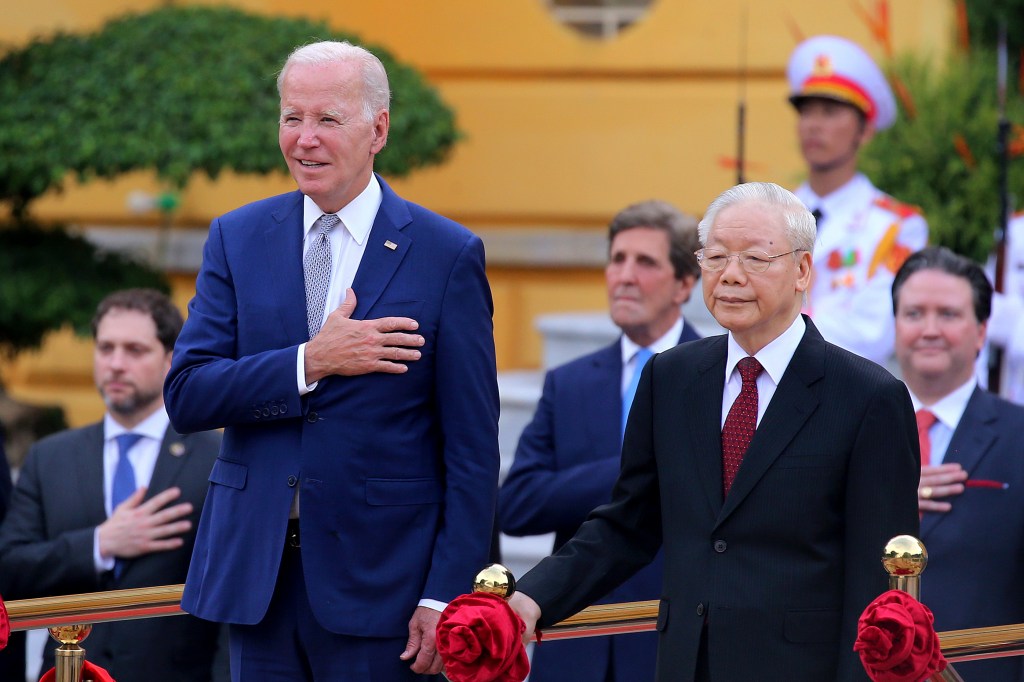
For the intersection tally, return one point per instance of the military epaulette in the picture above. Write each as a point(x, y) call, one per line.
point(897, 207)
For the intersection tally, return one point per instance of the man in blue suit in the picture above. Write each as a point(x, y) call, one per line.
point(568, 456)
point(342, 337)
point(972, 475)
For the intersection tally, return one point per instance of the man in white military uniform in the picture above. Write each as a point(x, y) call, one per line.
point(1006, 327)
point(864, 235)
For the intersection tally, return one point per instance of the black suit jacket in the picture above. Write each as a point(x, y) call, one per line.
point(976, 551)
point(779, 571)
point(46, 548)
point(566, 464)
point(5, 477)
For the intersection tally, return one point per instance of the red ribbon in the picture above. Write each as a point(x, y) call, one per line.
point(480, 639)
point(90, 673)
point(896, 640)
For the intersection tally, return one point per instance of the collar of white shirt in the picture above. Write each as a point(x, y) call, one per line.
point(845, 199)
point(950, 408)
point(154, 426)
point(775, 356)
point(668, 340)
point(357, 216)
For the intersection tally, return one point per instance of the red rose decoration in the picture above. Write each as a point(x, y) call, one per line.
point(90, 673)
point(896, 640)
point(480, 639)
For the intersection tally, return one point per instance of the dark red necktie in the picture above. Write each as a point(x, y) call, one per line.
point(925, 419)
point(740, 423)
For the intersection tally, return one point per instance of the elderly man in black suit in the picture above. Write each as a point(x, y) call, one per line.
point(114, 505)
point(771, 465)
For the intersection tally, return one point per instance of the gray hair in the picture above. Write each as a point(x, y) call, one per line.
point(801, 229)
point(680, 228)
point(376, 92)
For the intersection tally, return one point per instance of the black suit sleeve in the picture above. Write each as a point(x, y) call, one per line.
point(618, 539)
point(881, 502)
point(5, 479)
point(31, 564)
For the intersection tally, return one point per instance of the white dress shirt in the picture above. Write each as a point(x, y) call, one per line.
point(948, 411)
point(630, 348)
point(143, 456)
point(347, 248)
point(774, 358)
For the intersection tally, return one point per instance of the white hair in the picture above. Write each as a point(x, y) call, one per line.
point(376, 92)
point(801, 229)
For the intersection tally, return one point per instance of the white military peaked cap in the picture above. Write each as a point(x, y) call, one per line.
point(838, 69)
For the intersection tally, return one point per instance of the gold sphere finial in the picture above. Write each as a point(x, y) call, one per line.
point(70, 634)
point(495, 579)
point(905, 555)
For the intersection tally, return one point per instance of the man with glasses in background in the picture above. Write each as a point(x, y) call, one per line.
point(769, 465)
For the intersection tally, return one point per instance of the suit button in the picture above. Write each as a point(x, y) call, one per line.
point(312, 417)
point(256, 413)
point(292, 481)
point(720, 546)
point(273, 410)
point(284, 408)
point(266, 411)
point(700, 609)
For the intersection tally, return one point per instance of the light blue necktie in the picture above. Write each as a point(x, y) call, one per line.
point(124, 480)
point(642, 356)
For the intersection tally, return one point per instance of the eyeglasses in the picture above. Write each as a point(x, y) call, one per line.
point(714, 260)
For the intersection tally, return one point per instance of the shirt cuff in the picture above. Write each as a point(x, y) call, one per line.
point(99, 563)
point(300, 372)
point(433, 604)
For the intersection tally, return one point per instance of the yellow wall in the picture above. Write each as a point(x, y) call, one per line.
point(561, 130)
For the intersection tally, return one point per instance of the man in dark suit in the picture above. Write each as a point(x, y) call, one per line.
point(771, 466)
point(569, 455)
point(972, 474)
point(12, 658)
point(114, 505)
point(5, 477)
point(355, 493)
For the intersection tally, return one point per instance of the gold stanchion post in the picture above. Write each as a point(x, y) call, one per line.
point(495, 579)
point(70, 656)
point(905, 558)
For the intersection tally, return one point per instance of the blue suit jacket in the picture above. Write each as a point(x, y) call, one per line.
point(976, 551)
point(565, 465)
point(397, 473)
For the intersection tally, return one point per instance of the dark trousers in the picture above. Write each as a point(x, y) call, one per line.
point(289, 645)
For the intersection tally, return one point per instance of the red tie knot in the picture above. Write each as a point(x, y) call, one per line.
point(749, 369)
point(925, 419)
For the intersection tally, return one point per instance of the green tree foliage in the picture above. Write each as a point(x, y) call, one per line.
point(52, 278)
point(985, 16)
point(178, 90)
point(943, 156)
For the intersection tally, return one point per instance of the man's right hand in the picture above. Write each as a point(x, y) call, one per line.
point(939, 485)
point(138, 527)
point(351, 347)
point(528, 610)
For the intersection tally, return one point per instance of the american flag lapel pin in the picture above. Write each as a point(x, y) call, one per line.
point(390, 244)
